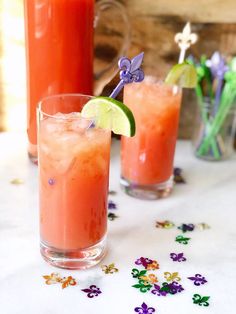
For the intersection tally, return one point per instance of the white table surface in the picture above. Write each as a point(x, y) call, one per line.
point(208, 196)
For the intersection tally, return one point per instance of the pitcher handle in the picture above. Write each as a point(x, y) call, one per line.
point(105, 75)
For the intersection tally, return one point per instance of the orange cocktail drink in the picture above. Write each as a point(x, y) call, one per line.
point(147, 158)
point(74, 160)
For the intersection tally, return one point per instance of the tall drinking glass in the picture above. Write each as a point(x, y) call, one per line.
point(74, 160)
point(147, 158)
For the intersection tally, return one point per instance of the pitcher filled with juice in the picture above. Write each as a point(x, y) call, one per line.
point(59, 51)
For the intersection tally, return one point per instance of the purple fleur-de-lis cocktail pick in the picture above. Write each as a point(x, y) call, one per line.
point(198, 280)
point(218, 68)
point(130, 72)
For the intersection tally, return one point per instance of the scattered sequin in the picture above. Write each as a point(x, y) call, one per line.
point(186, 227)
point(172, 288)
point(165, 224)
point(16, 181)
point(178, 257)
point(51, 181)
point(198, 280)
point(56, 278)
point(143, 286)
point(157, 291)
point(203, 226)
point(172, 276)
point(150, 278)
point(92, 291)
point(181, 239)
point(144, 309)
point(137, 274)
point(147, 263)
point(109, 269)
point(198, 299)
point(112, 205)
point(52, 279)
point(112, 216)
point(68, 281)
point(178, 178)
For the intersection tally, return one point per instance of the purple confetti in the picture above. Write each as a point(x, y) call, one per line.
point(177, 257)
point(198, 280)
point(143, 261)
point(157, 291)
point(51, 181)
point(92, 291)
point(186, 227)
point(144, 309)
point(112, 205)
point(175, 287)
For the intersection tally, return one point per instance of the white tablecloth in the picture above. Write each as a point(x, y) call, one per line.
point(208, 196)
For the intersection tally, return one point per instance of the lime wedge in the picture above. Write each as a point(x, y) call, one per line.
point(183, 75)
point(110, 114)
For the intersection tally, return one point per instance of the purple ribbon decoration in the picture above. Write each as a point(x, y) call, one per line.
point(218, 68)
point(130, 72)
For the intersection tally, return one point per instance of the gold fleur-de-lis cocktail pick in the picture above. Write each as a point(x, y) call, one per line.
point(185, 40)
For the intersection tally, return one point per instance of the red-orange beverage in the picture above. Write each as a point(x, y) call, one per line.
point(59, 50)
point(74, 160)
point(147, 158)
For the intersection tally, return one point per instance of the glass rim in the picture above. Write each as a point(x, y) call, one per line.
point(75, 95)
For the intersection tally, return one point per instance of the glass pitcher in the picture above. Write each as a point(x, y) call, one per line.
point(60, 52)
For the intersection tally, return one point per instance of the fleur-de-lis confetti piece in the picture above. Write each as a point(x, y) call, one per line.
point(144, 309)
point(150, 278)
point(178, 177)
point(109, 269)
point(52, 279)
point(198, 280)
point(143, 286)
point(51, 181)
point(152, 266)
point(136, 273)
point(157, 291)
point(144, 261)
point(112, 216)
point(112, 192)
point(181, 239)
point(186, 227)
point(198, 299)
point(172, 288)
point(178, 257)
point(68, 281)
point(112, 205)
point(203, 226)
point(16, 181)
point(130, 72)
point(185, 40)
point(92, 291)
point(172, 276)
point(165, 224)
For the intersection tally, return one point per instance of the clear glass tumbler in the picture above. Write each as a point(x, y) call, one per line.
point(74, 160)
point(213, 136)
point(147, 158)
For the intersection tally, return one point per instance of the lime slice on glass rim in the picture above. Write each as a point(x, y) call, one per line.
point(183, 74)
point(110, 114)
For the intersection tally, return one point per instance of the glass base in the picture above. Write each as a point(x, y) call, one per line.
point(147, 192)
point(74, 259)
point(33, 153)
